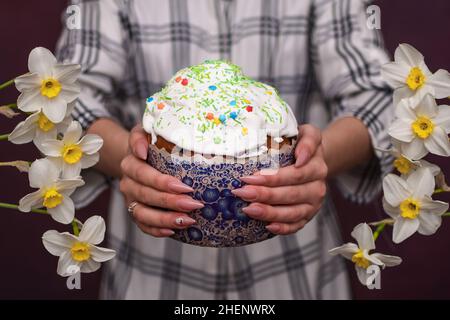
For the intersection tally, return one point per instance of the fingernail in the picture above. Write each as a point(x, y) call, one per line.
point(245, 193)
point(254, 179)
point(180, 187)
point(141, 151)
point(274, 228)
point(254, 211)
point(184, 221)
point(189, 204)
point(167, 232)
point(302, 158)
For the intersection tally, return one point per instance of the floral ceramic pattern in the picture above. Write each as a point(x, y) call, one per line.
point(221, 223)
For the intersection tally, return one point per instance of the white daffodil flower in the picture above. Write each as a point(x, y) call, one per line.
point(79, 251)
point(359, 253)
point(38, 128)
point(406, 166)
point(422, 129)
point(48, 87)
point(409, 203)
point(53, 194)
point(73, 152)
point(411, 78)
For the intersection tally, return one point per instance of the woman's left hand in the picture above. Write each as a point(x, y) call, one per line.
point(292, 196)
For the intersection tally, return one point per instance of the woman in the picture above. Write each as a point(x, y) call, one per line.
point(325, 63)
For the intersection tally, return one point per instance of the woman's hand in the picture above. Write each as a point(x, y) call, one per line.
point(161, 202)
point(292, 196)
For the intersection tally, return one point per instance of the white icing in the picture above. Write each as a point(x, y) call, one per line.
point(212, 108)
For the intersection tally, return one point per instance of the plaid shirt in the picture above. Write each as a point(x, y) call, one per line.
point(325, 63)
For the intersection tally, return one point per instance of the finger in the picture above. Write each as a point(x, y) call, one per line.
point(315, 169)
point(153, 197)
point(310, 138)
point(156, 232)
point(311, 192)
point(138, 142)
point(157, 218)
point(286, 228)
point(280, 213)
point(145, 174)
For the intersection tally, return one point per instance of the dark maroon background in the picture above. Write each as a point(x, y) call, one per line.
point(28, 271)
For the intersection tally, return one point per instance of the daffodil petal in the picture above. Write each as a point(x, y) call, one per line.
point(66, 73)
point(443, 118)
point(395, 74)
point(440, 81)
point(42, 136)
point(91, 143)
point(55, 109)
point(429, 223)
point(25, 131)
point(408, 54)
point(400, 94)
point(427, 107)
point(418, 96)
point(395, 189)
point(71, 171)
point(364, 236)
point(42, 172)
point(347, 250)
point(93, 230)
point(373, 259)
point(404, 228)
point(89, 266)
point(433, 206)
point(65, 262)
point(30, 101)
point(362, 275)
point(438, 143)
point(393, 212)
point(56, 243)
point(73, 133)
point(30, 200)
point(89, 160)
point(64, 212)
point(415, 149)
point(387, 260)
point(70, 92)
point(401, 130)
point(421, 182)
point(27, 81)
point(41, 61)
point(69, 184)
point(100, 254)
point(52, 148)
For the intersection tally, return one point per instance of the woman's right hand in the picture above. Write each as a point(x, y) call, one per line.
point(162, 204)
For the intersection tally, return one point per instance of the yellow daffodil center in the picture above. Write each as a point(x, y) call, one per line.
point(415, 79)
point(359, 259)
point(52, 198)
point(423, 127)
point(71, 153)
point(80, 251)
point(402, 165)
point(409, 208)
point(45, 124)
point(50, 88)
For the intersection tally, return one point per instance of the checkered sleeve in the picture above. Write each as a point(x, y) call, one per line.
point(347, 58)
point(97, 44)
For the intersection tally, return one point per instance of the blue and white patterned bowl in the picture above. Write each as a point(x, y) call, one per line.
point(221, 223)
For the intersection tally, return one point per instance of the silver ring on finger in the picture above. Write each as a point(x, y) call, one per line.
point(131, 208)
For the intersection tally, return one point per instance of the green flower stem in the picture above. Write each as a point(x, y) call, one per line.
point(440, 191)
point(76, 230)
point(377, 232)
point(16, 207)
point(383, 223)
point(10, 105)
point(6, 84)
point(4, 137)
